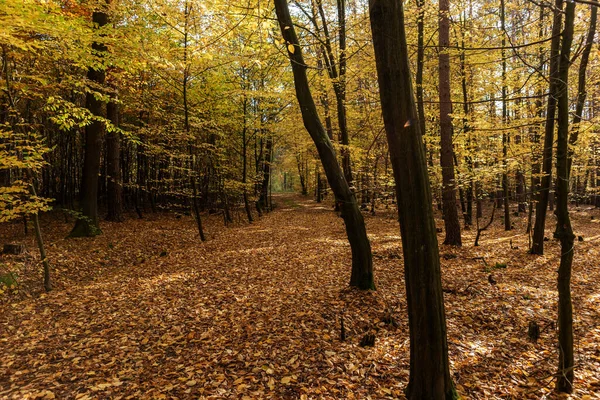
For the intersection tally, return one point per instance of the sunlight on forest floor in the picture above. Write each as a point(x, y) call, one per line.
point(147, 311)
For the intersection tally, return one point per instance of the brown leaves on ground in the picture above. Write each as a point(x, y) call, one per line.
point(147, 311)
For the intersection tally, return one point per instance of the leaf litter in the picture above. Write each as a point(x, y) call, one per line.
point(147, 311)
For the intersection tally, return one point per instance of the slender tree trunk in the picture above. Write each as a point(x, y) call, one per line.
point(564, 231)
point(196, 209)
point(429, 367)
point(186, 121)
point(40, 242)
point(362, 265)
point(340, 93)
point(263, 199)
point(451, 221)
point(581, 91)
point(505, 135)
point(420, 63)
point(468, 215)
point(536, 168)
point(537, 246)
point(113, 165)
point(87, 224)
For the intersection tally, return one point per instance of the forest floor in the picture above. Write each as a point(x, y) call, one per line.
point(146, 311)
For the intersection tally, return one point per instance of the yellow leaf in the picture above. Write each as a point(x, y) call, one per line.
point(144, 341)
point(291, 48)
point(286, 379)
point(191, 383)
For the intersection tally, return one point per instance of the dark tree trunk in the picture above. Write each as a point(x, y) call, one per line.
point(420, 63)
point(263, 199)
point(536, 167)
point(336, 70)
point(362, 266)
point(505, 135)
point(40, 243)
point(113, 165)
point(303, 183)
point(581, 91)
point(520, 178)
point(87, 224)
point(537, 246)
point(451, 221)
point(429, 367)
point(468, 215)
point(196, 209)
point(340, 93)
point(564, 231)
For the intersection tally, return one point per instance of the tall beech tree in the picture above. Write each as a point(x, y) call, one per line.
point(87, 224)
point(362, 263)
point(429, 367)
point(539, 227)
point(451, 221)
point(564, 230)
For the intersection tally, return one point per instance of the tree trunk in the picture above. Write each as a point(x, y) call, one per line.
point(581, 91)
point(40, 242)
point(564, 231)
point(537, 246)
point(362, 266)
point(429, 367)
point(196, 209)
point(340, 93)
point(420, 63)
point(505, 135)
point(263, 199)
point(113, 165)
point(468, 215)
point(87, 224)
point(451, 221)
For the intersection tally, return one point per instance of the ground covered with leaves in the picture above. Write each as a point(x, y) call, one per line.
point(147, 311)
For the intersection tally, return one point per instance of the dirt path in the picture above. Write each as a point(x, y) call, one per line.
point(146, 311)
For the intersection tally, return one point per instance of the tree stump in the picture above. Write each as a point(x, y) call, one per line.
point(533, 331)
point(14, 249)
point(368, 340)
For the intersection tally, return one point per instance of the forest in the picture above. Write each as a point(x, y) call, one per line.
point(299, 199)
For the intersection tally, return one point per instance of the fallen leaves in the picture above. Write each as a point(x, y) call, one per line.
point(255, 313)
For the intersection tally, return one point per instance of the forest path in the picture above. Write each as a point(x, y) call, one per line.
point(147, 311)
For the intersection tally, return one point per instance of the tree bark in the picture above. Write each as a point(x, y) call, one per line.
point(537, 246)
point(564, 231)
point(113, 165)
point(87, 224)
point(581, 91)
point(429, 366)
point(451, 221)
point(362, 265)
point(505, 135)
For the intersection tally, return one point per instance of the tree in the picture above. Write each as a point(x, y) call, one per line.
point(564, 231)
point(429, 366)
point(541, 209)
point(581, 91)
point(451, 221)
point(87, 224)
point(113, 163)
point(362, 264)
